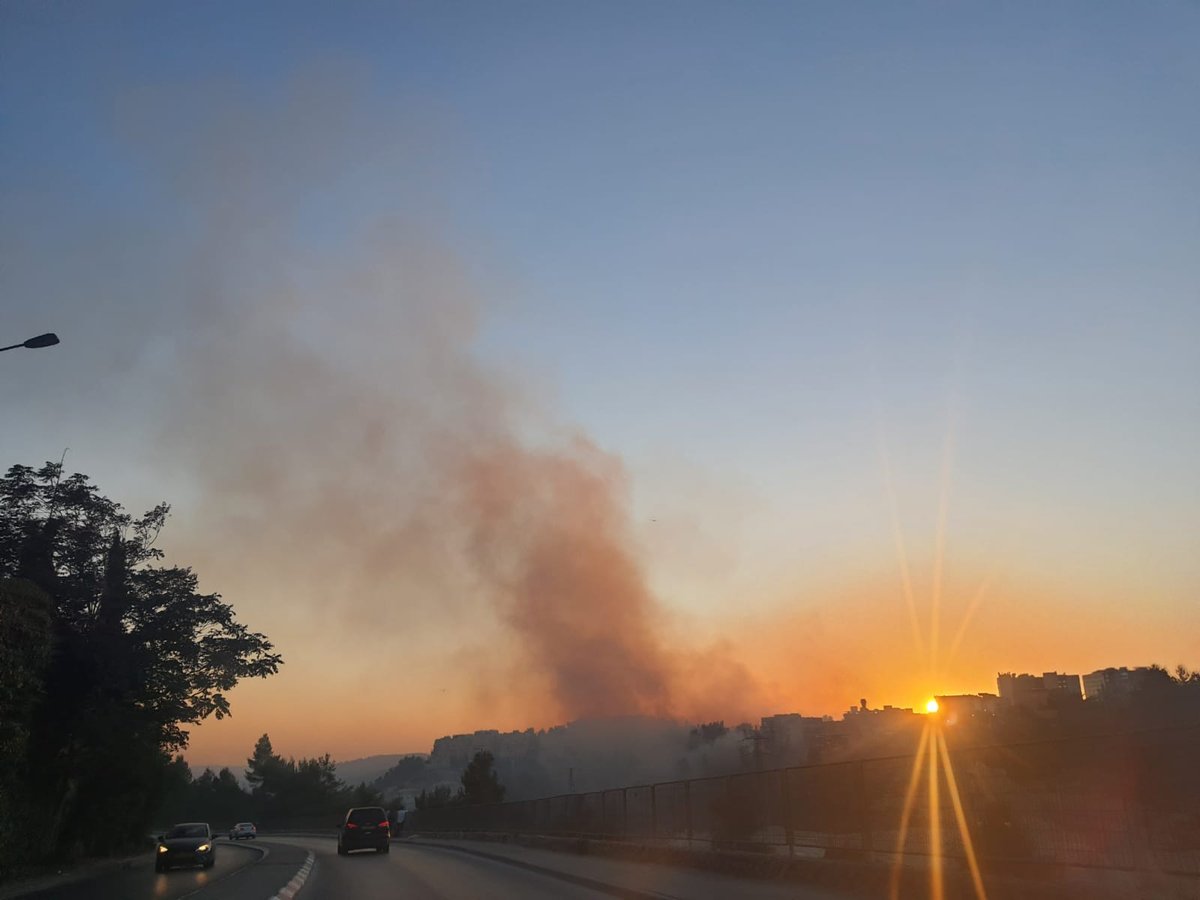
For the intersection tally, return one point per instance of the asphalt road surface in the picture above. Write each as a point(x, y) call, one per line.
point(424, 873)
point(430, 870)
point(421, 871)
point(138, 879)
point(241, 874)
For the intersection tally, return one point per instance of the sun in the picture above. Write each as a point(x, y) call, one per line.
point(931, 706)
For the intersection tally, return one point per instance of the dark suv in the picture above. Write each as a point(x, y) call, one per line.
point(366, 827)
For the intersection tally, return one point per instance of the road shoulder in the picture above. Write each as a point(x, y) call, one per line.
point(626, 879)
point(84, 870)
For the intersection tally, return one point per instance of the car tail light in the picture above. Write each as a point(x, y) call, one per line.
point(384, 824)
point(351, 825)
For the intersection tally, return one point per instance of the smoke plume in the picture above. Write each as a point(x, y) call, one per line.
point(356, 468)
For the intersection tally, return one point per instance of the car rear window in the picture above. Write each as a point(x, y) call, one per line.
point(367, 815)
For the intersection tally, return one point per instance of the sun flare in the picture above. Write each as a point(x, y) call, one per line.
point(931, 706)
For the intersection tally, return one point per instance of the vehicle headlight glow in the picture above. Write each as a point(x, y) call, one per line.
point(162, 849)
point(203, 848)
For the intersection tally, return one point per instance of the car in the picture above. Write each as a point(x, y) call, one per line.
point(186, 844)
point(364, 828)
point(243, 830)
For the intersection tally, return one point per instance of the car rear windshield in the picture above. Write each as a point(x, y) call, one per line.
point(188, 831)
point(367, 815)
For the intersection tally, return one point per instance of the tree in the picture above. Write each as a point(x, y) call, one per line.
point(707, 733)
point(394, 802)
point(138, 654)
point(315, 789)
point(409, 770)
point(219, 797)
point(178, 783)
point(480, 784)
point(1183, 676)
point(435, 798)
point(25, 646)
point(266, 771)
point(362, 794)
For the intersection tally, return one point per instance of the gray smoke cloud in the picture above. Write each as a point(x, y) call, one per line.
point(352, 459)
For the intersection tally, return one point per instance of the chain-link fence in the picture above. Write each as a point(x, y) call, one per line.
point(1127, 801)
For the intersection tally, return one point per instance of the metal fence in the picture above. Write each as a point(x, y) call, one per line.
point(1127, 801)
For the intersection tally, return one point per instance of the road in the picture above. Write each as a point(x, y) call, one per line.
point(241, 874)
point(471, 870)
point(425, 873)
point(138, 878)
point(422, 871)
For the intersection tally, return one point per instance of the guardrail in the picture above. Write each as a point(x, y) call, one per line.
point(1129, 801)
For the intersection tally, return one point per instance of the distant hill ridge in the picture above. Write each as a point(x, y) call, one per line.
point(352, 771)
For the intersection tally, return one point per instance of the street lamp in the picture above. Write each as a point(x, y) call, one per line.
point(49, 339)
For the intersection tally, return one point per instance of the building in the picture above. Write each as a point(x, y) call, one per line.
point(1038, 691)
point(793, 739)
point(1114, 684)
point(456, 750)
point(877, 732)
point(957, 709)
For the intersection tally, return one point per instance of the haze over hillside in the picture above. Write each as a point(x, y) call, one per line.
point(351, 771)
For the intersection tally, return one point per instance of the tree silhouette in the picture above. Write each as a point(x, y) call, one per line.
point(135, 654)
point(266, 770)
point(435, 797)
point(480, 784)
point(25, 648)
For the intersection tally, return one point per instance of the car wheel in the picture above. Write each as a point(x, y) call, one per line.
point(341, 850)
point(382, 849)
point(159, 867)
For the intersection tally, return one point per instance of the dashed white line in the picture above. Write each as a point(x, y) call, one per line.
point(292, 888)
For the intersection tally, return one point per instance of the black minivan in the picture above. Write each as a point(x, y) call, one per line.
point(366, 827)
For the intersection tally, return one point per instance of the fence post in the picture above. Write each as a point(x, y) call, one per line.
point(653, 813)
point(864, 813)
point(730, 823)
point(789, 829)
point(687, 811)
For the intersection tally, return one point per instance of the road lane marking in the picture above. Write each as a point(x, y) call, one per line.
point(292, 888)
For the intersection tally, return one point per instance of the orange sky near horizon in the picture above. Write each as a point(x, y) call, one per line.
point(817, 657)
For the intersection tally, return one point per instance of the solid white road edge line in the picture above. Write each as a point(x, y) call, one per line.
point(292, 888)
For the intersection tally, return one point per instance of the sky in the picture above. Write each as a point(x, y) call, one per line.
point(507, 363)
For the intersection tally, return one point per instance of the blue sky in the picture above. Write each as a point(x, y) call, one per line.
point(734, 243)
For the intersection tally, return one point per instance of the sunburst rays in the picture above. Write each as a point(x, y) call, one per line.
point(910, 796)
point(961, 816)
point(898, 538)
point(939, 552)
point(932, 763)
